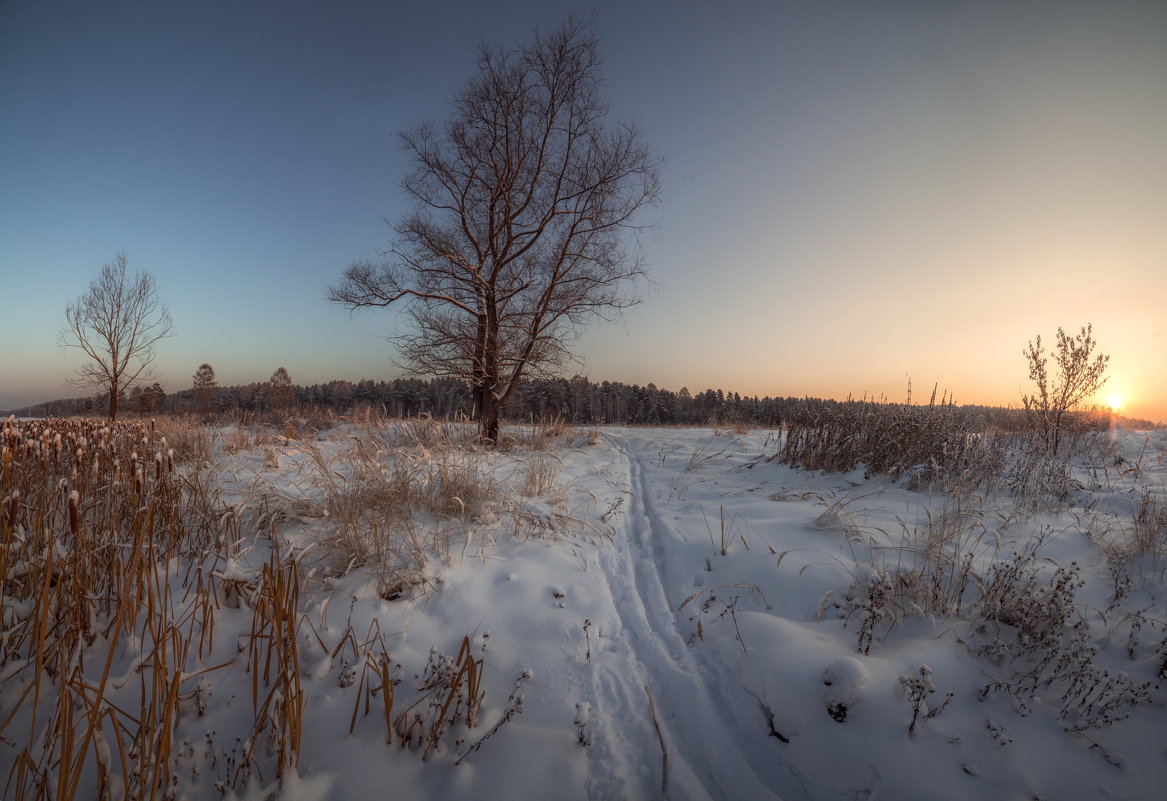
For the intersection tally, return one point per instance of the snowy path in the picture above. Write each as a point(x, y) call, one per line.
point(708, 746)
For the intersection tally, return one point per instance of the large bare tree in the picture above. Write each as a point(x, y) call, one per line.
point(522, 201)
point(116, 323)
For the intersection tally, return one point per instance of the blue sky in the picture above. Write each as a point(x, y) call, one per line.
point(854, 192)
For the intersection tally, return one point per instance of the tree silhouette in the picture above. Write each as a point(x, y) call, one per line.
point(116, 323)
point(280, 390)
point(204, 388)
point(522, 200)
point(1078, 377)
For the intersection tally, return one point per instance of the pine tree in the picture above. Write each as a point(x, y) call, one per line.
point(280, 390)
point(204, 388)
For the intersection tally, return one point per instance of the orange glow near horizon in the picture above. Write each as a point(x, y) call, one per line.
point(1114, 401)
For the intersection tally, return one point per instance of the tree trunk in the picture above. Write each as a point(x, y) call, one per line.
point(113, 401)
point(488, 418)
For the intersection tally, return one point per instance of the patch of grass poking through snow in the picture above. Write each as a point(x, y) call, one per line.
point(1043, 642)
point(405, 494)
point(705, 451)
point(916, 689)
point(513, 707)
point(1022, 614)
point(392, 508)
point(714, 609)
point(450, 698)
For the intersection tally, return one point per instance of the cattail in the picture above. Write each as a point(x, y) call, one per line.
point(13, 503)
point(74, 517)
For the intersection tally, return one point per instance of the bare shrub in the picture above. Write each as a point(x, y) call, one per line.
point(1078, 377)
point(916, 689)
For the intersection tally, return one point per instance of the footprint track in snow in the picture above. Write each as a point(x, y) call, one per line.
point(708, 749)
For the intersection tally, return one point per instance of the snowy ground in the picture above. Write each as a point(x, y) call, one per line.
point(681, 618)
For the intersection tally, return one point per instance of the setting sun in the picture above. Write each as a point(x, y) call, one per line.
point(1114, 401)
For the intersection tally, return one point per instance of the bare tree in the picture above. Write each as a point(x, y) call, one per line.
point(1078, 377)
point(522, 200)
point(116, 323)
point(204, 387)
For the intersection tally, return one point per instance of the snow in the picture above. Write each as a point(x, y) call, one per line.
point(671, 620)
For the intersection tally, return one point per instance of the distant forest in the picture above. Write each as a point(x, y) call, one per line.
point(576, 400)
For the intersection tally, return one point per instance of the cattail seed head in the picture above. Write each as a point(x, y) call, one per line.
point(74, 516)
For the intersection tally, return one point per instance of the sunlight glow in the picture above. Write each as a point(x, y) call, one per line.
point(1114, 401)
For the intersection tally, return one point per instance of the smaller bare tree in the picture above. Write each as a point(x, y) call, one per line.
point(1078, 377)
point(116, 323)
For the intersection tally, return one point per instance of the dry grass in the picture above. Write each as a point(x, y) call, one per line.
point(1148, 530)
point(539, 474)
point(1005, 602)
point(409, 492)
point(542, 435)
point(393, 507)
point(938, 447)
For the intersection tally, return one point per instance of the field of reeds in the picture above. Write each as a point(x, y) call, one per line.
point(941, 444)
point(135, 571)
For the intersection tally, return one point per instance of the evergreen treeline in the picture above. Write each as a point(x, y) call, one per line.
point(576, 400)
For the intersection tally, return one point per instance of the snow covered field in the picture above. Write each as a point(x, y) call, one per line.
point(657, 613)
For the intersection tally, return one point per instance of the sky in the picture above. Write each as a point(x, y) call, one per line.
point(855, 194)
